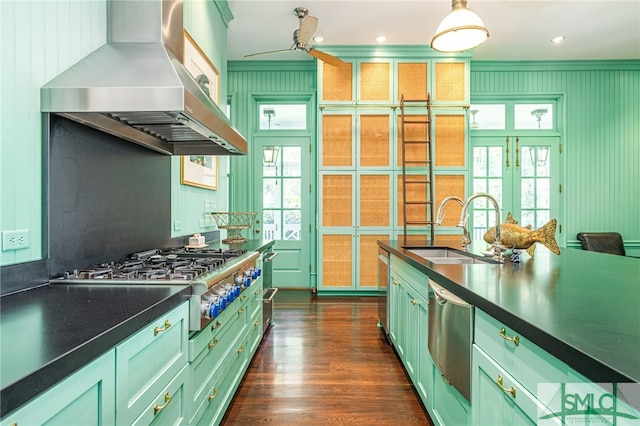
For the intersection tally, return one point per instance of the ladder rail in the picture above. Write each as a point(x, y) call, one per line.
point(427, 163)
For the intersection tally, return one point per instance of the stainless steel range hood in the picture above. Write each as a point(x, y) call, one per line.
point(137, 88)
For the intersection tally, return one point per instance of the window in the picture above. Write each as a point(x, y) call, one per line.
point(283, 116)
point(282, 192)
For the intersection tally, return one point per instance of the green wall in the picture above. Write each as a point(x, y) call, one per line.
point(601, 143)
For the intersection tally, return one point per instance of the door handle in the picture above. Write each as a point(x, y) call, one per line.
point(507, 152)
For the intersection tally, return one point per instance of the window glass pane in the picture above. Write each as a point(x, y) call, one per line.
point(528, 160)
point(479, 185)
point(480, 161)
point(292, 224)
point(283, 116)
point(527, 194)
point(291, 161)
point(543, 216)
point(543, 190)
point(495, 189)
point(527, 217)
point(292, 196)
point(543, 167)
point(487, 116)
point(533, 116)
point(271, 224)
point(495, 161)
point(271, 193)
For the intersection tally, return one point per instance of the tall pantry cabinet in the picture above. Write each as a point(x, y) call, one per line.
point(360, 156)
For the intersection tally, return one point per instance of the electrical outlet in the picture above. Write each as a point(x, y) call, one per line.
point(201, 223)
point(177, 225)
point(15, 240)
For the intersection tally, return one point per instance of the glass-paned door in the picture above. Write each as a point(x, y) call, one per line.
point(522, 173)
point(285, 199)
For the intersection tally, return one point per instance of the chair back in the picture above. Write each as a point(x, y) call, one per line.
point(603, 242)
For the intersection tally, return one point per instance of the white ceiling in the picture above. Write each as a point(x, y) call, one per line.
point(519, 29)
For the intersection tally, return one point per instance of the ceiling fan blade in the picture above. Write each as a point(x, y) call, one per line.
point(325, 57)
point(308, 26)
point(268, 52)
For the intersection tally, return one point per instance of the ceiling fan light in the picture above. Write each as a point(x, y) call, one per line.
point(460, 30)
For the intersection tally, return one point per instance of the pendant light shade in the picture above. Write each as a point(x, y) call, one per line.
point(460, 30)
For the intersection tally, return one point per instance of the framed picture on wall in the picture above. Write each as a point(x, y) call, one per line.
point(200, 171)
point(201, 68)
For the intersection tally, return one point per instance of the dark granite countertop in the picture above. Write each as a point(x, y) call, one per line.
point(51, 331)
point(582, 307)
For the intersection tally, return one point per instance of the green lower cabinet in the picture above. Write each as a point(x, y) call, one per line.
point(499, 399)
point(87, 397)
point(448, 406)
point(171, 405)
point(397, 314)
point(148, 361)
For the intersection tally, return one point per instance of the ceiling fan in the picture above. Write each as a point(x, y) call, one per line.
point(301, 36)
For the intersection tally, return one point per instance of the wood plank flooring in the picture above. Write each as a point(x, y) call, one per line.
point(325, 362)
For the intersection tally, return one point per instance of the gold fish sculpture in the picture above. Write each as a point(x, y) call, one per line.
point(515, 236)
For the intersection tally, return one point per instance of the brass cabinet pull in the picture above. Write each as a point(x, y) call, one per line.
point(393, 280)
point(514, 339)
point(415, 302)
point(216, 325)
point(166, 326)
point(240, 311)
point(241, 349)
point(507, 151)
point(255, 323)
point(243, 297)
point(211, 397)
point(213, 343)
point(157, 408)
point(511, 390)
point(517, 150)
point(256, 291)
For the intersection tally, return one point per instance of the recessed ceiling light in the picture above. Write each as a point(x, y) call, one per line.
point(557, 39)
point(318, 39)
point(381, 39)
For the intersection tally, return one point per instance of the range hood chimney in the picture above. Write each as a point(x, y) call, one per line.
point(137, 88)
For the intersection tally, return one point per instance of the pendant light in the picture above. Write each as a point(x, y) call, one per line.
point(460, 30)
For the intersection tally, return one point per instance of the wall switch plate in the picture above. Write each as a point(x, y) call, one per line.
point(15, 240)
point(201, 223)
point(177, 225)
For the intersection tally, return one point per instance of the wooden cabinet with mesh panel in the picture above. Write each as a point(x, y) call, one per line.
point(360, 154)
point(358, 82)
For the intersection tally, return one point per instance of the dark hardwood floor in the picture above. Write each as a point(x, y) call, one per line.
point(325, 362)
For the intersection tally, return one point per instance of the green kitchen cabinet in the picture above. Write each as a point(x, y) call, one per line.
point(409, 325)
point(87, 397)
point(448, 406)
point(148, 361)
point(220, 354)
point(171, 405)
point(514, 381)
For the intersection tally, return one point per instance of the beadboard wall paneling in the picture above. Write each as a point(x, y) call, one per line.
point(601, 145)
point(251, 79)
point(203, 21)
point(39, 39)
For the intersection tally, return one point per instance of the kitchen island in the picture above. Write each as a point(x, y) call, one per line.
point(49, 332)
point(569, 320)
point(582, 307)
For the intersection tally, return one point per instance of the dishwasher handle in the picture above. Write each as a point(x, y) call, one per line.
point(443, 296)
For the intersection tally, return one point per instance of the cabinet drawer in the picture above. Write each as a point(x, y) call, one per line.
point(449, 406)
point(87, 397)
point(148, 361)
point(170, 405)
point(508, 403)
point(525, 361)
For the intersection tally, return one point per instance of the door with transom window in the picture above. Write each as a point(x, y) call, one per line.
point(516, 158)
point(285, 199)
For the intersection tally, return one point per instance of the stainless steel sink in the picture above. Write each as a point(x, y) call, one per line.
point(449, 256)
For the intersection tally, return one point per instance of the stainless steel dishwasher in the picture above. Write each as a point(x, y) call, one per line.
point(450, 335)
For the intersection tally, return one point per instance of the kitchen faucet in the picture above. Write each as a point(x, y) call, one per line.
point(498, 248)
point(466, 238)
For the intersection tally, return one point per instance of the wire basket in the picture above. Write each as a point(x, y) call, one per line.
point(234, 223)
